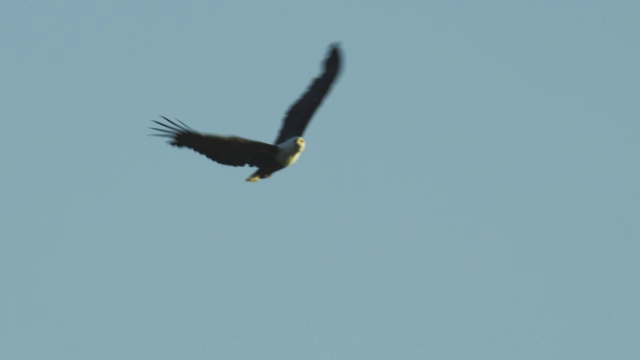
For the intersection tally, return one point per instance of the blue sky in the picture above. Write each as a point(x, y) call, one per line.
point(469, 188)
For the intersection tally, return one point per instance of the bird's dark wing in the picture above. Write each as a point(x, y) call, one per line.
point(301, 112)
point(234, 151)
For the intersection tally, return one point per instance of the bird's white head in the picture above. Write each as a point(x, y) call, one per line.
point(289, 151)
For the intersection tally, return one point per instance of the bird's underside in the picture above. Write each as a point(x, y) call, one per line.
point(268, 158)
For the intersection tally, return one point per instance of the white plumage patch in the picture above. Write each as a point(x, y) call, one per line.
point(290, 150)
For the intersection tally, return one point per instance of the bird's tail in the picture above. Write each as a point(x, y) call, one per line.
point(257, 176)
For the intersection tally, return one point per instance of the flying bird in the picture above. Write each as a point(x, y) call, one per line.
point(268, 158)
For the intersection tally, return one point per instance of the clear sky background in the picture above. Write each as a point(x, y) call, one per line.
point(469, 188)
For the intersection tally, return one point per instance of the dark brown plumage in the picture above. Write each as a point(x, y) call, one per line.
point(301, 112)
point(226, 150)
point(237, 151)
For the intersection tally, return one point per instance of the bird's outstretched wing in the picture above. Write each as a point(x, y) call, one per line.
point(227, 150)
point(301, 111)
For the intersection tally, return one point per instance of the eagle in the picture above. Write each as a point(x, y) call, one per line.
point(268, 158)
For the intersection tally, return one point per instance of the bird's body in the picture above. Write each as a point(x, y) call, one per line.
point(287, 154)
point(268, 158)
